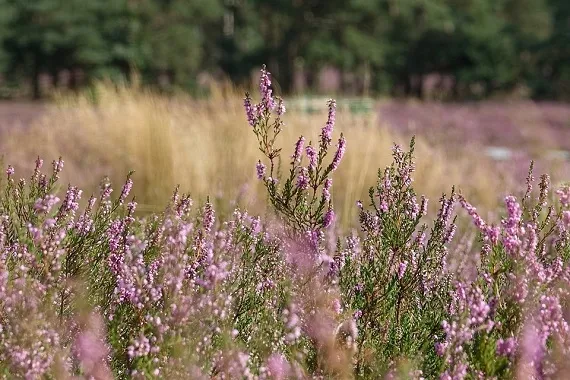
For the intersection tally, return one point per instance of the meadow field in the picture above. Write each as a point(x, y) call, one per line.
point(229, 237)
point(195, 144)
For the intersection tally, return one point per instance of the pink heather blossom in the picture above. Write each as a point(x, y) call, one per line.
point(506, 347)
point(208, 217)
point(337, 307)
point(57, 167)
point(10, 171)
point(39, 163)
point(564, 196)
point(298, 149)
point(312, 156)
point(267, 101)
point(106, 191)
point(260, 169)
point(44, 205)
point(303, 179)
point(402, 269)
point(71, 200)
point(424, 206)
point(92, 351)
point(565, 221)
point(490, 233)
point(341, 147)
point(440, 348)
point(328, 218)
point(249, 111)
point(278, 366)
point(327, 189)
point(125, 190)
point(326, 132)
point(532, 352)
point(280, 107)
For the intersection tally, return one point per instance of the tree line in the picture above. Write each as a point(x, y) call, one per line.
point(469, 48)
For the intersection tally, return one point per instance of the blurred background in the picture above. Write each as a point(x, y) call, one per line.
point(437, 49)
point(157, 86)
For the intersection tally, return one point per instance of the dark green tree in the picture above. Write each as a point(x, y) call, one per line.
point(551, 78)
point(177, 39)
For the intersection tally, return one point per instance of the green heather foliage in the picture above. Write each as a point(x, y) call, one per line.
point(93, 290)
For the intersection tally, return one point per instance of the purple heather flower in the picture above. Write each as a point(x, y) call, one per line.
point(44, 205)
point(341, 147)
point(71, 201)
point(249, 110)
point(91, 349)
point(402, 269)
point(303, 179)
point(326, 132)
point(39, 164)
point(511, 239)
point(337, 307)
point(298, 149)
point(532, 352)
point(106, 190)
point(260, 169)
point(384, 206)
point(126, 190)
point(440, 348)
point(564, 195)
point(312, 155)
point(208, 217)
point(278, 366)
point(57, 167)
point(10, 171)
point(506, 347)
point(267, 101)
point(328, 218)
point(424, 206)
point(280, 107)
point(490, 233)
point(449, 234)
point(544, 186)
point(327, 189)
point(566, 218)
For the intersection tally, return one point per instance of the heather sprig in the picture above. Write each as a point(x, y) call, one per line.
point(303, 197)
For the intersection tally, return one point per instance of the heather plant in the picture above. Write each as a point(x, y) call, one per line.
point(304, 197)
point(392, 281)
point(507, 310)
point(303, 201)
point(176, 292)
point(394, 277)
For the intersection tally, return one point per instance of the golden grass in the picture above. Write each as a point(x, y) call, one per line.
point(207, 147)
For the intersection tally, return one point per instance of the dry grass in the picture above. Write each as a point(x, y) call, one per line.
point(206, 147)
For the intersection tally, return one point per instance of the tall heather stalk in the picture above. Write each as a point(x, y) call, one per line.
point(303, 197)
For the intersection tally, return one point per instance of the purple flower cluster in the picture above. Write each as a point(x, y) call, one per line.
point(327, 130)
